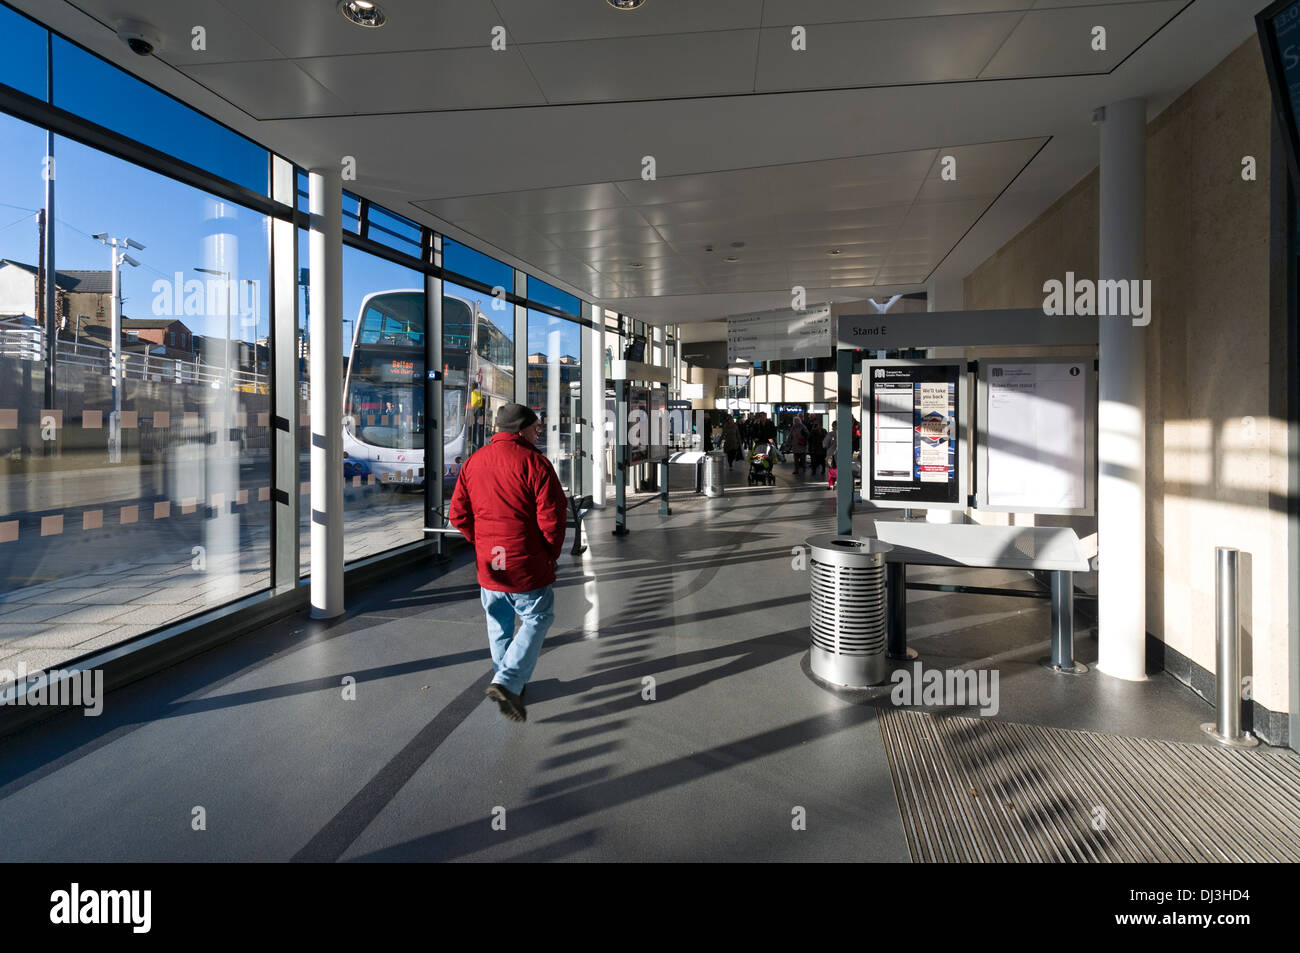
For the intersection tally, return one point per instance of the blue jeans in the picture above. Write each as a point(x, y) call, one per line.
point(514, 655)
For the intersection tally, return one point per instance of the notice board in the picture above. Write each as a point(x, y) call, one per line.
point(915, 433)
point(1036, 426)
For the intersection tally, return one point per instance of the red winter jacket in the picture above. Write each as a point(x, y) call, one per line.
point(509, 503)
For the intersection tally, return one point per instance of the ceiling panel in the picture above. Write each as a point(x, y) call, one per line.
point(790, 12)
point(702, 211)
point(685, 188)
point(268, 88)
point(702, 64)
point(227, 37)
point(436, 79)
point(1058, 42)
point(545, 21)
point(633, 235)
point(317, 28)
point(884, 52)
point(563, 199)
point(587, 220)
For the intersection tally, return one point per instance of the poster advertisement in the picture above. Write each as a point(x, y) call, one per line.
point(913, 454)
point(638, 425)
point(1035, 435)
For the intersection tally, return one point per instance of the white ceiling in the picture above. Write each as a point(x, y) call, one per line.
point(534, 153)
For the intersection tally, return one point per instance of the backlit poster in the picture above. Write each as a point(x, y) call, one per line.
point(912, 410)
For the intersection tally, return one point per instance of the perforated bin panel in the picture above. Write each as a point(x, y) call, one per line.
point(847, 610)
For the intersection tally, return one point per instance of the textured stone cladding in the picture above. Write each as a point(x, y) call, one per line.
point(1216, 433)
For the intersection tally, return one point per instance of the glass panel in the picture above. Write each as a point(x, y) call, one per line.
point(383, 405)
point(90, 87)
point(543, 293)
point(22, 53)
point(555, 388)
point(351, 213)
point(394, 231)
point(478, 372)
point(462, 260)
point(135, 492)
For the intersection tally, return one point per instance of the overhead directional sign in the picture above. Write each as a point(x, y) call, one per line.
point(779, 335)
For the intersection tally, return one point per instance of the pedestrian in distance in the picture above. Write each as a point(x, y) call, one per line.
point(731, 440)
point(509, 504)
point(816, 449)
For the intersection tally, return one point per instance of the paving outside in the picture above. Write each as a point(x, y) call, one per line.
point(671, 717)
point(82, 590)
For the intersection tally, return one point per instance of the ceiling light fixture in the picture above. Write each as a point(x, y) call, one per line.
point(624, 5)
point(363, 13)
point(731, 258)
point(636, 264)
point(833, 251)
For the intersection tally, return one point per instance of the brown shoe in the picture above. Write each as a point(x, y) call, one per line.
point(511, 705)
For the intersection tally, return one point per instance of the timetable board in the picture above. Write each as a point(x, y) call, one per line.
point(1036, 451)
point(915, 433)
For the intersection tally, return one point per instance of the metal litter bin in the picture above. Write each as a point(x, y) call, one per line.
point(715, 473)
point(847, 609)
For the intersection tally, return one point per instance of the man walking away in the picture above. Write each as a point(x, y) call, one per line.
point(509, 503)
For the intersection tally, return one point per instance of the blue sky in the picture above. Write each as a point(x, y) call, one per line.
point(95, 192)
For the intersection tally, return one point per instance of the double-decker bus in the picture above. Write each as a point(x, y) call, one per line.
point(384, 414)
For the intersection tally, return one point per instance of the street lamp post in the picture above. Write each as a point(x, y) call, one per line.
point(120, 257)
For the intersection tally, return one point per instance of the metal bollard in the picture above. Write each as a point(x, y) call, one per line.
point(1227, 644)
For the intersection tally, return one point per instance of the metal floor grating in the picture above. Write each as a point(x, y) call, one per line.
point(973, 789)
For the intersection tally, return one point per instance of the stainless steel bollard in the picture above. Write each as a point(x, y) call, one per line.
point(1227, 644)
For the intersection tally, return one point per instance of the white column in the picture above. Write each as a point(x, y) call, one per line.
point(326, 190)
point(948, 296)
point(594, 408)
point(1121, 392)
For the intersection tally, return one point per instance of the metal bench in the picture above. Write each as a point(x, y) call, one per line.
point(1056, 550)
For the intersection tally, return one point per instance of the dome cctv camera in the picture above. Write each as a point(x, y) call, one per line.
point(140, 37)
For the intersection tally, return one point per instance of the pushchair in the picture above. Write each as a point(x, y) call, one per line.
point(760, 471)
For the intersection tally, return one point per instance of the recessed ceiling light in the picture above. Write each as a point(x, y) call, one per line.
point(636, 264)
point(731, 258)
point(833, 251)
point(363, 13)
point(625, 4)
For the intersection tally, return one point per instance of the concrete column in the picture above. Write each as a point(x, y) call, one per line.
point(326, 244)
point(1121, 393)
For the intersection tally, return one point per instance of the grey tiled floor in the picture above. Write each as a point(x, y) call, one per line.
point(736, 740)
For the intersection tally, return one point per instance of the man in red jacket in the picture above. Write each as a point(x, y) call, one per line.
point(509, 503)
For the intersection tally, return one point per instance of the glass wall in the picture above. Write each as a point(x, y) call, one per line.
point(135, 472)
point(136, 488)
point(555, 391)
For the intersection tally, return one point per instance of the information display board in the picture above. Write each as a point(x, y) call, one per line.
point(658, 423)
point(638, 425)
point(779, 335)
point(915, 444)
point(1037, 428)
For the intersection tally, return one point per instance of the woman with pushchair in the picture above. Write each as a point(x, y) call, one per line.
point(762, 458)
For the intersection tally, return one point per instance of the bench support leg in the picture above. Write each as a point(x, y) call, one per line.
point(1062, 661)
point(896, 630)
